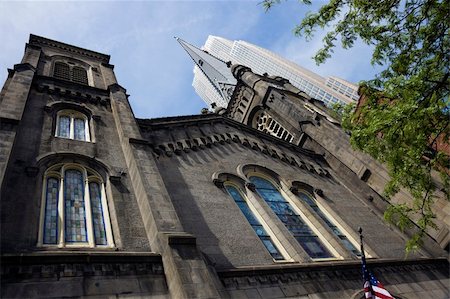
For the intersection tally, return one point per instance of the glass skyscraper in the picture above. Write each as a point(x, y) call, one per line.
point(329, 90)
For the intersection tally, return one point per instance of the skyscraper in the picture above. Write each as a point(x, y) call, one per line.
point(330, 90)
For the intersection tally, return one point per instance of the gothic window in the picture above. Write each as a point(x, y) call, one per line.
point(336, 231)
point(254, 222)
point(266, 124)
point(309, 241)
point(74, 211)
point(71, 73)
point(73, 125)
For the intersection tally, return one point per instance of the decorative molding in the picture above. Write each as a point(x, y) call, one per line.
point(38, 41)
point(69, 94)
point(320, 273)
point(69, 264)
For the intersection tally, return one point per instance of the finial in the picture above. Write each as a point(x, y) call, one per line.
point(360, 230)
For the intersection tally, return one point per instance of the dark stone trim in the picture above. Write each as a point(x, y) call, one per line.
point(138, 141)
point(107, 65)
point(116, 88)
point(9, 121)
point(181, 239)
point(333, 266)
point(24, 67)
point(218, 183)
point(250, 186)
point(55, 257)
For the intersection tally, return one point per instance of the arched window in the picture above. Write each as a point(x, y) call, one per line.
point(73, 125)
point(265, 123)
point(70, 72)
point(74, 211)
point(342, 237)
point(254, 222)
point(292, 221)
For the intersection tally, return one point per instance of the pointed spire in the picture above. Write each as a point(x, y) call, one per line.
point(216, 70)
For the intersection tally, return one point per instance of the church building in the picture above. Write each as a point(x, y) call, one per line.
point(263, 199)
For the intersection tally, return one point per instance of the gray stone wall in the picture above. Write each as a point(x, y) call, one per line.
point(211, 215)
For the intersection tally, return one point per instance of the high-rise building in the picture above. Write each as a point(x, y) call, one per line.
point(98, 204)
point(329, 90)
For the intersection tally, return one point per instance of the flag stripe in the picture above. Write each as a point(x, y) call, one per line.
point(381, 291)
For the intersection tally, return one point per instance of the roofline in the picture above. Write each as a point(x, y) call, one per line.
point(40, 40)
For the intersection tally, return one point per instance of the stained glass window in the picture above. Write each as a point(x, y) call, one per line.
point(51, 211)
point(77, 193)
point(75, 216)
point(73, 125)
point(64, 126)
point(344, 240)
point(292, 221)
point(79, 130)
point(97, 214)
point(256, 225)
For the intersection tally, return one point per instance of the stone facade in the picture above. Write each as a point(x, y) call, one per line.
point(172, 228)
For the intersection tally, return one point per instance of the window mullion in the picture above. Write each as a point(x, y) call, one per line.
point(72, 128)
point(42, 214)
point(61, 226)
point(86, 130)
point(88, 211)
point(107, 221)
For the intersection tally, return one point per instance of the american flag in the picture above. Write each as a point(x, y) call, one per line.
point(373, 289)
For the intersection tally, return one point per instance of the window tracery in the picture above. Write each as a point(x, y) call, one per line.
point(265, 123)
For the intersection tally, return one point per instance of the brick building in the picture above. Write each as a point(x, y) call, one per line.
point(96, 203)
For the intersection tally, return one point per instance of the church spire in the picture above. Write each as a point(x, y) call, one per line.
point(216, 70)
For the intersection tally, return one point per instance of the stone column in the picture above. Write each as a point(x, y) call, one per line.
point(186, 272)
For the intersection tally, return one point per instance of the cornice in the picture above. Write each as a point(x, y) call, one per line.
point(330, 271)
point(71, 91)
point(42, 41)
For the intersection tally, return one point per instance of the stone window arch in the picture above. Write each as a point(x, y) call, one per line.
point(74, 210)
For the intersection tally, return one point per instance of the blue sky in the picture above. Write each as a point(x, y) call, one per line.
point(149, 63)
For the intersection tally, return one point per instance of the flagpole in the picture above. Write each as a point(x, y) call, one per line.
point(364, 265)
